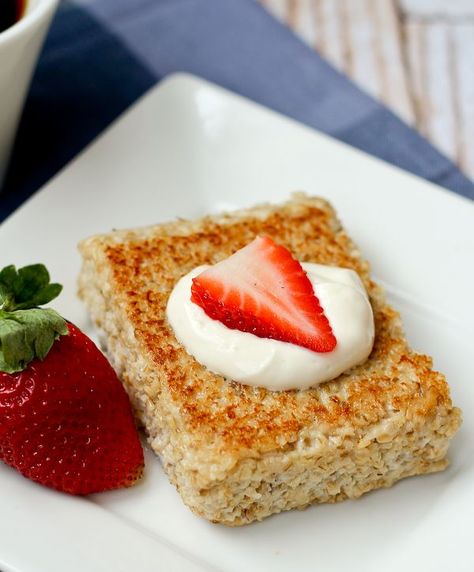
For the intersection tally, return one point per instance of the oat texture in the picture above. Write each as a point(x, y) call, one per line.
point(238, 453)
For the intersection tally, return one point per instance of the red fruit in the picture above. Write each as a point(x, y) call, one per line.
point(263, 290)
point(66, 421)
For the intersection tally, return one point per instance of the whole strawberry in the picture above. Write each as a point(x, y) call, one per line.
point(65, 419)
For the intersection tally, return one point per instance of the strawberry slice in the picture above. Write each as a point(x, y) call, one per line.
point(65, 418)
point(263, 290)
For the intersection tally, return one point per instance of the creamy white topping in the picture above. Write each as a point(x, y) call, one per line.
point(276, 365)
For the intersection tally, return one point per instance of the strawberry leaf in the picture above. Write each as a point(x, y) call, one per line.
point(40, 297)
point(26, 288)
point(26, 331)
point(8, 277)
point(28, 334)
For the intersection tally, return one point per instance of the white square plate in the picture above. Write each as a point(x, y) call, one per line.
point(189, 148)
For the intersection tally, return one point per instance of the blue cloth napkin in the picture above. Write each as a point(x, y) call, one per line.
point(101, 55)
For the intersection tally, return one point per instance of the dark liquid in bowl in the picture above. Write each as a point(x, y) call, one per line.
point(10, 12)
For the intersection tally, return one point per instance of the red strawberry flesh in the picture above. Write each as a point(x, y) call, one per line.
point(66, 421)
point(261, 289)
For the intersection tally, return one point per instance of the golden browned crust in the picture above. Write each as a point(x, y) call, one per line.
point(226, 421)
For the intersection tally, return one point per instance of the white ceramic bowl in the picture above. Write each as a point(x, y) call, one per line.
point(19, 49)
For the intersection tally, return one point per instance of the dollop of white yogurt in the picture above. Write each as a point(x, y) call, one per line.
point(276, 365)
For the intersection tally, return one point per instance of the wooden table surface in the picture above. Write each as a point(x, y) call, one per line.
point(416, 56)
